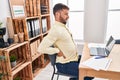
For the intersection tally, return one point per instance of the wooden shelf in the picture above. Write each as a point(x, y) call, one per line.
point(14, 46)
point(45, 33)
point(20, 68)
point(21, 51)
point(24, 73)
point(44, 15)
point(35, 56)
point(38, 69)
point(30, 24)
point(46, 63)
point(32, 17)
point(35, 37)
point(19, 63)
point(36, 65)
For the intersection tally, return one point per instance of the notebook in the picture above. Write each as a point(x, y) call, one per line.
point(103, 51)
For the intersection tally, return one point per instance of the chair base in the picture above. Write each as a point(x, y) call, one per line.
point(73, 79)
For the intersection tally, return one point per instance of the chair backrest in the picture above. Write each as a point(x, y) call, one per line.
point(52, 59)
point(53, 63)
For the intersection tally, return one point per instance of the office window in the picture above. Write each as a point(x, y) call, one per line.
point(114, 4)
point(113, 26)
point(76, 17)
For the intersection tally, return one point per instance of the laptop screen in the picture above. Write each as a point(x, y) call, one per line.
point(109, 44)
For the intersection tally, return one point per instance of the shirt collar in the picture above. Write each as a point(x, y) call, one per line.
point(59, 23)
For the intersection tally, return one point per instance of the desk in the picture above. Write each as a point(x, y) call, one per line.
point(113, 71)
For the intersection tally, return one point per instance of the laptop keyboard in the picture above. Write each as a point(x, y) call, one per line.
point(100, 50)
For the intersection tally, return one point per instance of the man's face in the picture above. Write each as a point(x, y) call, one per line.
point(63, 16)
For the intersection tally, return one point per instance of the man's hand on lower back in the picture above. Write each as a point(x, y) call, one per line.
point(61, 54)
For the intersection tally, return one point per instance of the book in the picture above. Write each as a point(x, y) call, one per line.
point(33, 28)
point(37, 26)
point(29, 29)
point(44, 25)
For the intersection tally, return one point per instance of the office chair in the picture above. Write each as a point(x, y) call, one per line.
point(55, 72)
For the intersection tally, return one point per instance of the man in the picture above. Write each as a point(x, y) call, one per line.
point(64, 46)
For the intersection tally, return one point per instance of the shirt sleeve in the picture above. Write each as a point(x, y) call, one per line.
point(47, 42)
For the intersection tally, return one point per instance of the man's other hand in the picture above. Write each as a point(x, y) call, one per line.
point(61, 54)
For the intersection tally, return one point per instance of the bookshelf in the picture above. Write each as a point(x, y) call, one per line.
point(32, 18)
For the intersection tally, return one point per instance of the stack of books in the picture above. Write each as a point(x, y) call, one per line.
point(44, 9)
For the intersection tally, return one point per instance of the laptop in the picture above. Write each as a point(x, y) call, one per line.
point(103, 51)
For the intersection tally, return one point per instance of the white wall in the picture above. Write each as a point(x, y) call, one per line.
point(95, 20)
point(4, 13)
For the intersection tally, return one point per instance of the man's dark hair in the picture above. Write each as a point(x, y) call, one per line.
point(58, 7)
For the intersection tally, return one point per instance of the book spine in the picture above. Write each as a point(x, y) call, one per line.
point(29, 29)
point(30, 21)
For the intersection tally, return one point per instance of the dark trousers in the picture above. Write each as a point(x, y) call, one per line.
point(71, 68)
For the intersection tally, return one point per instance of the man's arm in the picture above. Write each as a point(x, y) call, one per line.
point(45, 46)
point(49, 40)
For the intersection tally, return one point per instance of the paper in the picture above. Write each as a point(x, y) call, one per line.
point(18, 11)
point(97, 64)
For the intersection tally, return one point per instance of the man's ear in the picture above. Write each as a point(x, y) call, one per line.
point(57, 13)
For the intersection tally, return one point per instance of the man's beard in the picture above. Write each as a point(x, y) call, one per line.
point(62, 20)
